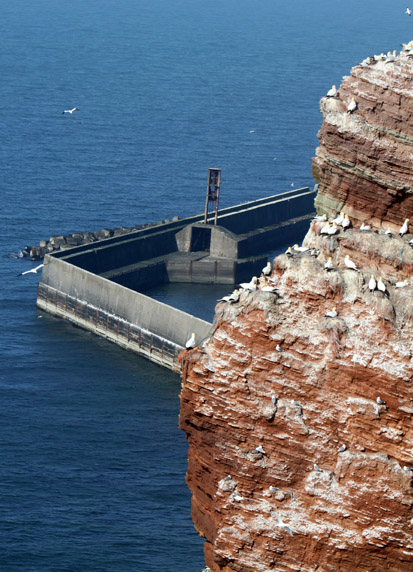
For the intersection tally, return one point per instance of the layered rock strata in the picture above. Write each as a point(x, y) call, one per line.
point(298, 410)
point(364, 161)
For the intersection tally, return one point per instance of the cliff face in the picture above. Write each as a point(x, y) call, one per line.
point(300, 424)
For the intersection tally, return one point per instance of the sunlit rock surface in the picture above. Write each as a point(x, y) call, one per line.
point(301, 457)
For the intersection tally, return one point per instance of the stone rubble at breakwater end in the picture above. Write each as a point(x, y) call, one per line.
point(63, 242)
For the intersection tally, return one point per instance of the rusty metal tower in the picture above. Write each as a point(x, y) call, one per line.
point(212, 194)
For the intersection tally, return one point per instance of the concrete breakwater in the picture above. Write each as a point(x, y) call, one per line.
point(98, 285)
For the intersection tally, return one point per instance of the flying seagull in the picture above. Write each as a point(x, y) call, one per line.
point(32, 270)
point(281, 523)
point(70, 110)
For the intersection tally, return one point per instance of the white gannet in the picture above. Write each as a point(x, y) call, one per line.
point(346, 222)
point(380, 285)
point(320, 218)
point(352, 106)
point(339, 218)
point(70, 110)
point(329, 264)
point(268, 288)
point(388, 232)
point(342, 448)
point(380, 401)
point(325, 228)
point(349, 263)
point(300, 248)
point(250, 285)
point(281, 523)
point(372, 283)
point(402, 284)
point(234, 297)
point(278, 348)
point(408, 12)
point(190, 342)
point(333, 229)
point(289, 251)
point(32, 270)
point(258, 449)
point(332, 313)
point(332, 92)
point(267, 269)
point(404, 228)
point(364, 227)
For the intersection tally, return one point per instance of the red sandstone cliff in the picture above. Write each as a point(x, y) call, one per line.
point(302, 459)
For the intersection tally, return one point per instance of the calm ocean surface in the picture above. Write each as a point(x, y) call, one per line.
point(92, 465)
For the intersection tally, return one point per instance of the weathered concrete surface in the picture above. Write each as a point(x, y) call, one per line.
point(93, 295)
point(297, 416)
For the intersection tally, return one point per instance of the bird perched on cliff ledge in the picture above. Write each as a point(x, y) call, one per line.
point(352, 106)
point(332, 92)
point(190, 342)
point(349, 263)
point(404, 228)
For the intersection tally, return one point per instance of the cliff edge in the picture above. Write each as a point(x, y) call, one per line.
point(298, 410)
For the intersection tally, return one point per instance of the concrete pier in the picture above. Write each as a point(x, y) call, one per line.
point(96, 285)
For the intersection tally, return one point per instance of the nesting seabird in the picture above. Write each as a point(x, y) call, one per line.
point(320, 218)
point(250, 285)
point(329, 264)
point(332, 92)
point(332, 313)
point(364, 227)
point(300, 248)
point(339, 218)
point(380, 285)
point(349, 263)
point(402, 284)
point(258, 449)
point(333, 229)
point(388, 232)
point(372, 283)
point(282, 524)
point(317, 468)
point(271, 289)
point(278, 348)
point(190, 342)
point(325, 229)
point(267, 269)
point(342, 448)
point(404, 228)
point(352, 106)
point(346, 222)
point(380, 401)
point(289, 251)
point(32, 270)
point(70, 110)
point(234, 297)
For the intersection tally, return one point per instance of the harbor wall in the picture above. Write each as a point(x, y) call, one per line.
point(88, 284)
point(128, 318)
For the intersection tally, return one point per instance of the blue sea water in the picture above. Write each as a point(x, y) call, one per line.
point(92, 465)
